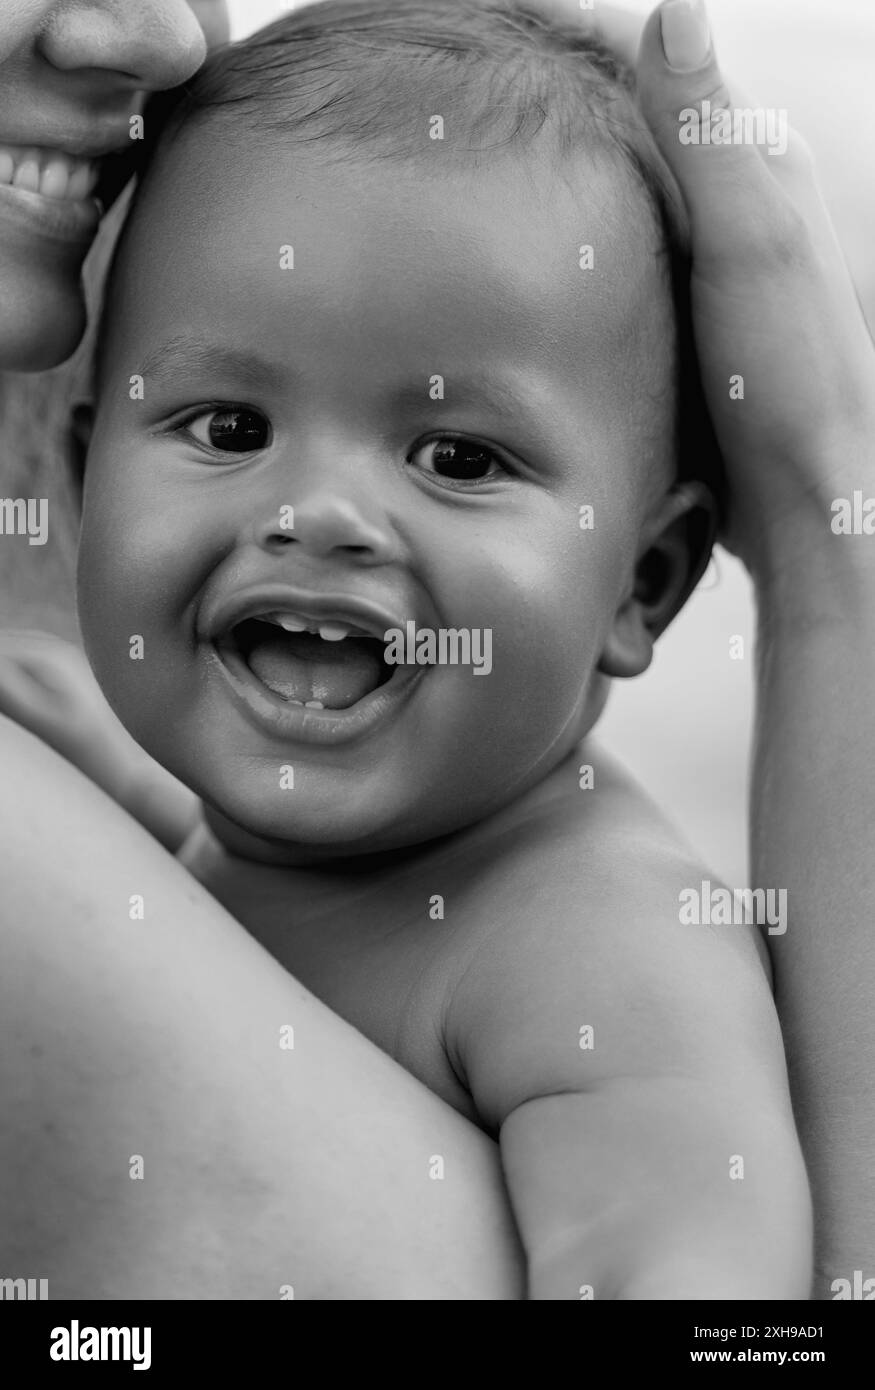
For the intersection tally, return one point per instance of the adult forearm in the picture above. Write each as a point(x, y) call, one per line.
point(813, 833)
point(156, 1140)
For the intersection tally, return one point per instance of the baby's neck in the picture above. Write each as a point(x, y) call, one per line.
point(257, 885)
point(387, 853)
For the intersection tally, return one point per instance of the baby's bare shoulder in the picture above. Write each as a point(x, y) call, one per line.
point(574, 922)
point(589, 845)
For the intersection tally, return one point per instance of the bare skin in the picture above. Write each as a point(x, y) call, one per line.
point(486, 1010)
point(561, 905)
point(161, 1037)
point(236, 1144)
point(817, 449)
point(772, 299)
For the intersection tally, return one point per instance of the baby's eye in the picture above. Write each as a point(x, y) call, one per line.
point(231, 429)
point(460, 460)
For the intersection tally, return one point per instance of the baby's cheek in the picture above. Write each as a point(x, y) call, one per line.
point(574, 616)
point(122, 611)
point(112, 640)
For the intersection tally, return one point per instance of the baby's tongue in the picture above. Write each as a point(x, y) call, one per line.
point(302, 666)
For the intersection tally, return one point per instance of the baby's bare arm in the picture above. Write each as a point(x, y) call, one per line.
point(655, 1157)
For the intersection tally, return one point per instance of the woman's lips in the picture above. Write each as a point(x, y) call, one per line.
point(50, 219)
point(48, 193)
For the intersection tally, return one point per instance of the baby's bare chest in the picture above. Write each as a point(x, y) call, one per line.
point(383, 953)
point(394, 978)
point(395, 985)
point(387, 951)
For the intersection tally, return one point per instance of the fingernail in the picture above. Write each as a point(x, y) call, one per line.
point(686, 37)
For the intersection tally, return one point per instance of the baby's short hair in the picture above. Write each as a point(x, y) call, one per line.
point(366, 78)
point(359, 73)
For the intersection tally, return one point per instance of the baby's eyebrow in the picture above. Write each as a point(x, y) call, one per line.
point(181, 355)
point(471, 389)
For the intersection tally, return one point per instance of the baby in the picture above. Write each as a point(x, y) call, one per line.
point(383, 488)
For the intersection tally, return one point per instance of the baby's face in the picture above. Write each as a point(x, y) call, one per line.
point(369, 398)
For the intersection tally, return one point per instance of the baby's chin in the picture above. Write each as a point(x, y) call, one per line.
point(329, 838)
point(379, 824)
point(308, 812)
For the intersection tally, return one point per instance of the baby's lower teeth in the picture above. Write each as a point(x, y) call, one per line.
point(313, 704)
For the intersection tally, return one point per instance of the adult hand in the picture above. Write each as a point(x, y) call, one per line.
point(773, 302)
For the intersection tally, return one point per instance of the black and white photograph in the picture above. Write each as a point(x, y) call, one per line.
point(437, 665)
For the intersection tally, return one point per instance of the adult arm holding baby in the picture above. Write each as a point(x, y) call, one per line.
point(773, 301)
point(257, 1175)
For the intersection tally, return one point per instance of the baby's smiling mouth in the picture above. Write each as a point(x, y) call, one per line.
point(323, 665)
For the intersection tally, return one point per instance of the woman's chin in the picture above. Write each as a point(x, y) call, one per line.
point(43, 317)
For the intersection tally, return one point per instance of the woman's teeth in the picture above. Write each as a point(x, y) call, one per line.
point(48, 172)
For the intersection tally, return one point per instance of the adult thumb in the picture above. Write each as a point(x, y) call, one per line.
point(685, 99)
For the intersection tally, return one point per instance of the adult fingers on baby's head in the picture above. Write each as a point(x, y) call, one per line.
point(790, 227)
point(707, 136)
point(748, 179)
point(796, 174)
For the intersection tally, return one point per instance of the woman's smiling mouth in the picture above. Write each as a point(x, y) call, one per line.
point(50, 173)
point(53, 193)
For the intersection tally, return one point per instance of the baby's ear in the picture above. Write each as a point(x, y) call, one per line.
point(673, 552)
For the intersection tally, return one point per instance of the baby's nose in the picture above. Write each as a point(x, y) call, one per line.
point(324, 524)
